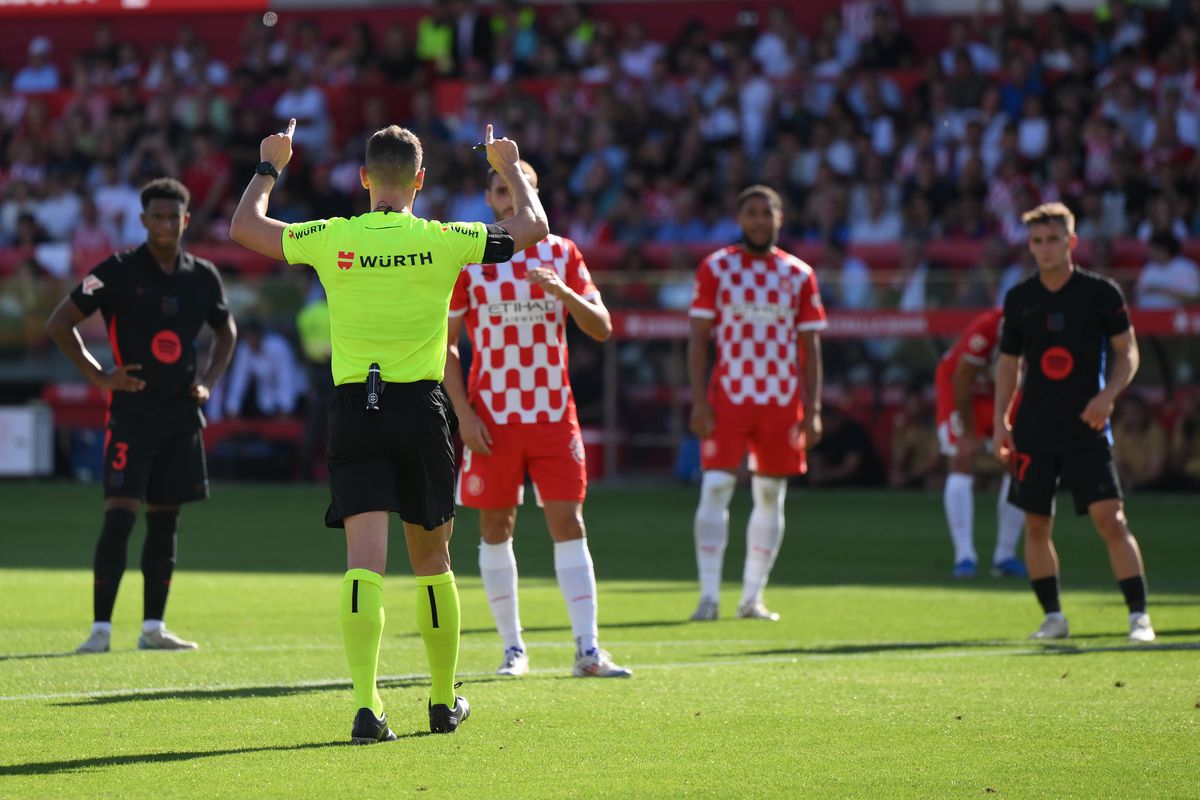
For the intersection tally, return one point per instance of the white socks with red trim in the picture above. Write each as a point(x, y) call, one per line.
point(498, 568)
point(712, 529)
point(764, 535)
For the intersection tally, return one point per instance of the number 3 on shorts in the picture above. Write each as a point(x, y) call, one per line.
point(121, 457)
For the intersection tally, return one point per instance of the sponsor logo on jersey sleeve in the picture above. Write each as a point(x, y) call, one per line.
point(300, 233)
point(90, 284)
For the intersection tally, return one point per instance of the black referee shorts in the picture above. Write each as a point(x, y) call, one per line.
point(1088, 472)
point(162, 469)
point(399, 458)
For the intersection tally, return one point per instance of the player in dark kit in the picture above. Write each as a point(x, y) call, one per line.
point(154, 300)
point(1060, 321)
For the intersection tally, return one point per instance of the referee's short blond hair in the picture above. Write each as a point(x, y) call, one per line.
point(394, 156)
point(1050, 212)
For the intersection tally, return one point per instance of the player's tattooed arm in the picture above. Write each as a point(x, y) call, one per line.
point(1125, 365)
point(810, 341)
point(474, 433)
point(968, 442)
point(702, 422)
point(591, 316)
point(61, 329)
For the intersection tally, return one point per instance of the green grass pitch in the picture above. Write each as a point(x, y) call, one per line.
point(883, 679)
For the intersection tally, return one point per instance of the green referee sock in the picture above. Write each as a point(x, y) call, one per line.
point(362, 629)
point(437, 620)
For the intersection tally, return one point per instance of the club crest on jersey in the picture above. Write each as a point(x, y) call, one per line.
point(1056, 322)
point(977, 342)
point(170, 306)
point(90, 284)
point(576, 448)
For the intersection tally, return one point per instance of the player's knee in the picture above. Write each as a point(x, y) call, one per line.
point(1038, 527)
point(716, 489)
point(768, 492)
point(1110, 524)
point(496, 526)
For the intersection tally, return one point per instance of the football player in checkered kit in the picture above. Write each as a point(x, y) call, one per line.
point(761, 309)
point(517, 416)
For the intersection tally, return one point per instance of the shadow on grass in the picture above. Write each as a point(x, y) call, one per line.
point(669, 623)
point(1162, 633)
point(265, 690)
point(26, 656)
point(867, 647)
point(78, 764)
point(1042, 647)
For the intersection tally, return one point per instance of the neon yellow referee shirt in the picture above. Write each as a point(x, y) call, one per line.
point(388, 277)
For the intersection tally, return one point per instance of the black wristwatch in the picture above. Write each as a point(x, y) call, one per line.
point(267, 168)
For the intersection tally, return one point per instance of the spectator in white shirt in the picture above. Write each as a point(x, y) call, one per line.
point(58, 212)
point(19, 200)
point(39, 75)
point(306, 102)
point(638, 53)
point(880, 224)
point(120, 206)
point(264, 361)
point(1169, 280)
point(778, 48)
point(847, 278)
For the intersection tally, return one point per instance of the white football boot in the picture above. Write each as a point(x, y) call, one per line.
point(515, 662)
point(598, 664)
point(163, 639)
point(98, 642)
point(1139, 629)
point(757, 611)
point(1052, 627)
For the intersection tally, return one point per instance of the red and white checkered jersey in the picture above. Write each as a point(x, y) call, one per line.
point(977, 345)
point(518, 332)
point(759, 302)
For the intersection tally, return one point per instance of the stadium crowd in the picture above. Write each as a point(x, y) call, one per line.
point(870, 140)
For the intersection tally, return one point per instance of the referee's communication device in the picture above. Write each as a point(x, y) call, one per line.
point(374, 387)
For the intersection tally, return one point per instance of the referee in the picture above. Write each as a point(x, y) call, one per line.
point(388, 276)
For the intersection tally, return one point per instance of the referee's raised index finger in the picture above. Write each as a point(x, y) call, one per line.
point(487, 134)
point(291, 128)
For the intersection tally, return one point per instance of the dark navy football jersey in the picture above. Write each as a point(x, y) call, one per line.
point(153, 319)
point(1063, 337)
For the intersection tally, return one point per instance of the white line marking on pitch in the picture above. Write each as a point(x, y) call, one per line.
point(333, 682)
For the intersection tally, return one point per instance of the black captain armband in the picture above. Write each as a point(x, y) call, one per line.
point(499, 246)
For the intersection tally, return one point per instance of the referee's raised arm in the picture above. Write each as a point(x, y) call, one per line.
point(250, 225)
point(527, 226)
